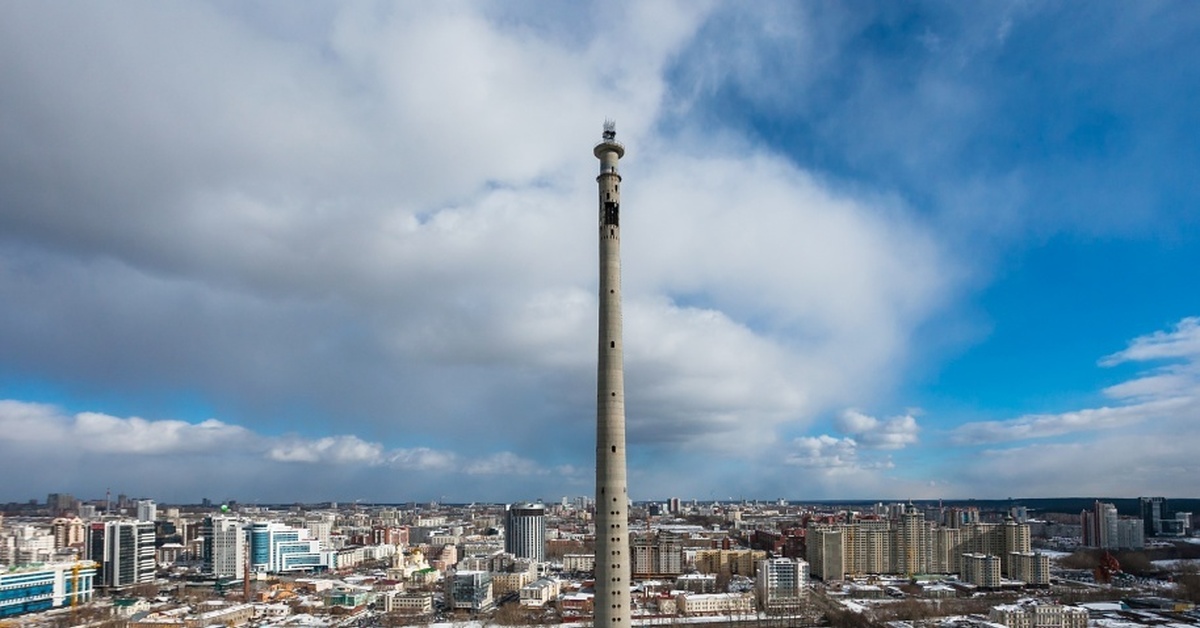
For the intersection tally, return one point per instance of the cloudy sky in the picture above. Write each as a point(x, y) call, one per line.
point(281, 251)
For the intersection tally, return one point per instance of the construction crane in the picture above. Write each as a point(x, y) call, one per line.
point(1109, 566)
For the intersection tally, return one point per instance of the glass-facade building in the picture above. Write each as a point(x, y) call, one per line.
point(43, 587)
point(279, 548)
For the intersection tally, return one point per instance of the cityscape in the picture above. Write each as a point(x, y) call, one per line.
point(121, 561)
point(890, 313)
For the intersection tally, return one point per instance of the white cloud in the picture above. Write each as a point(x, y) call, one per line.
point(330, 450)
point(824, 452)
point(390, 216)
point(1181, 342)
point(1047, 425)
point(45, 425)
point(1162, 397)
point(504, 463)
point(895, 433)
point(421, 459)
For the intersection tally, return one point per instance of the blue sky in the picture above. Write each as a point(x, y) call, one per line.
point(309, 251)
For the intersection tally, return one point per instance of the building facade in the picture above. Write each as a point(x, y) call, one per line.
point(782, 584)
point(525, 531)
point(43, 587)
point(125, 552)
point(280, 548)
point(225, 546)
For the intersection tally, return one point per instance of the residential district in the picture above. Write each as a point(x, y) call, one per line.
point(128, 562)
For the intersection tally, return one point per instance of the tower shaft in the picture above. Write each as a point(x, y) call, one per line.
point(612, 601)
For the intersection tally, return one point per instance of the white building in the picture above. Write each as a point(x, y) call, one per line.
point(782, 583)
point(415, 603)
point(579, 563)
point(42, 587)
point(279, 548)
point(540, 592)
point(1032, 615)
point(147, 510)
point(224, 546)
point(692, 604)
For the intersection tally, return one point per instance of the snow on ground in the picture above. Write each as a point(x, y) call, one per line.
point(1176, 563)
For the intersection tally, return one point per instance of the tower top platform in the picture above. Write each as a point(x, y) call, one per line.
point(609, 142)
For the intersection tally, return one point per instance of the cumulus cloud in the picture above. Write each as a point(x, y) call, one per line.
point(894, 433)
point(331, 449)
point(824, 452)
point(320, 223)
point(45, 425)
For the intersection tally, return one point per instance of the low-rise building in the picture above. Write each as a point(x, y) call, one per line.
point(414, 603)
point(579, 563)
point(693, 604)
point(697, 582)
point(42, 587)
point(470, 591)
point(539, 592)
point(1032, 615)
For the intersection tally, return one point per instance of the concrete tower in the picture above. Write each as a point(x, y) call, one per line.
point(612, 518)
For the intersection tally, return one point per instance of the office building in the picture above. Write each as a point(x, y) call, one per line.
point(525, 531)
point(1154, 511)
point(782, 584)
point(43, 587)
point(470, 591)
point(125, 551)
point(280, 548)
point(225, 546)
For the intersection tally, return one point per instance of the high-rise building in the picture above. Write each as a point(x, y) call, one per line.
point(657, 555)
point(1154, 511)
point(68, 532)
point(1029, 567)
point(147, 510)
point(1103, 528)
point(782, 584)
point(224, 546)
point(613, 599)
point(912, 546)
point(125, 551)
point(525, 531)
point(60, 503)
point(981, 570)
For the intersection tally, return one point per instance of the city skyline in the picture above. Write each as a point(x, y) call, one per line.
point(344, 252)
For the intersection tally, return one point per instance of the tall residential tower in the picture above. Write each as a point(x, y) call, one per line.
point(612, 518)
